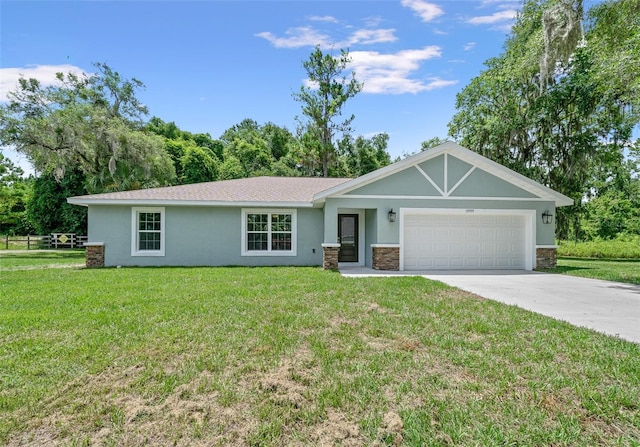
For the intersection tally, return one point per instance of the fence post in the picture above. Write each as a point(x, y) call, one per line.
point(28, 242)
point(6, 244)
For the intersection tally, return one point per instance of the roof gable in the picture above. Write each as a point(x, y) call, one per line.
point(450, 171)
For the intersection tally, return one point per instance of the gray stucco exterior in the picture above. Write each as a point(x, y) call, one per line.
point(211, 232)
point(199, 236)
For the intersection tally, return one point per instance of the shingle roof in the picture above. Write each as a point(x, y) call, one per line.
point(246, 190)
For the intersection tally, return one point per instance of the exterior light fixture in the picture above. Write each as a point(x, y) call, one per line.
point(392, 215)
point(546, 217)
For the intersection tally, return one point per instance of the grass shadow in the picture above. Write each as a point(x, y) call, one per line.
point(566, 269)
point(41, 255)
point(612, 260)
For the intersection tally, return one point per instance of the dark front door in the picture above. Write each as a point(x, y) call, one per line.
point(348, 237)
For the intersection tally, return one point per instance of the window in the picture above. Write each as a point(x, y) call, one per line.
point(268, 232)
point(147, 232)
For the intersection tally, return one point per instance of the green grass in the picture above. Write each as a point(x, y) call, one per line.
point(36, 259)
point(623, 247)
point(297, 356)
point(612, 270)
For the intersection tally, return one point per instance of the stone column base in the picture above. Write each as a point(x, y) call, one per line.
point(94, 254)
point(386, 256)
point(330, 256)
point(546, 257)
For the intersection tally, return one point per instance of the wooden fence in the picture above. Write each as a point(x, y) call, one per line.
point(35, 242)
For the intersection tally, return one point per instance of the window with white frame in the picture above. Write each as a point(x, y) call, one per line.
point(268, 232)
point(147, 231)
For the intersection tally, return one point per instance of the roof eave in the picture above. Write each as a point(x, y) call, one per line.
point(147, 202)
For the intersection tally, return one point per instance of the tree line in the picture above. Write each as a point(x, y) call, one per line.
point(89, 134)
point(558, 105)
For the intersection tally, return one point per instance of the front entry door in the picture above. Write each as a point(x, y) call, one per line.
point(348, 237)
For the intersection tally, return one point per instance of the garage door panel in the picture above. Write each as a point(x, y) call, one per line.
point(464, 241)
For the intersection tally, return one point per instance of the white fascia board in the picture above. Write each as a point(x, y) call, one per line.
point(483, 199)
point(133, 202)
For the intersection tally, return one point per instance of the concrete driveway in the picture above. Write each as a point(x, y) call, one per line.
point(609, 307)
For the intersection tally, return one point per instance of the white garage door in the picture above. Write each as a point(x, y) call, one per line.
point(464, 241)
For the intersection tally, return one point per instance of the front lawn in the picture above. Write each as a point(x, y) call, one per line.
point(608, 269)
point(297, 356)
point(41, 258)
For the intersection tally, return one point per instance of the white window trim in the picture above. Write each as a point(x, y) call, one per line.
point(269, 252)
point(135, 211)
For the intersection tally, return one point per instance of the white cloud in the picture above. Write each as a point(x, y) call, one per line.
point(46, 74)
point(307, 36)
point(369, 36)
point(391, 73)
point(496, 17)
point(427, 11)
point(329, 19)
point(469, 46)
point(502, 4)
point(302, 36)
point(373, 21)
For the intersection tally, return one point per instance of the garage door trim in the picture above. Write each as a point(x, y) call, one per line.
point(530, 226)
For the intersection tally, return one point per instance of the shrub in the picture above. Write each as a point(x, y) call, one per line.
point(624, 246)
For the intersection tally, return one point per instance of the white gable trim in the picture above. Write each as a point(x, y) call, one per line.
point(484, 198)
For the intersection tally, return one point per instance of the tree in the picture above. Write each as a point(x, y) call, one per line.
point(15, 193)
point(432, 142)
point(614, 203)
point(175, 135)
point(48, 210)
point(91, 124)
point(198, 164)
point(251, 149)
point(545, 109)
point(363, 155)
point(323, 100)
point(231, 168)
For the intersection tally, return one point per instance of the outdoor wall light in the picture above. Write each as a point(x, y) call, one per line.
point(392, 215)
point(546, 217)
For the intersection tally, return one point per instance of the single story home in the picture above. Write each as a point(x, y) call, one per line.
point(444, 208)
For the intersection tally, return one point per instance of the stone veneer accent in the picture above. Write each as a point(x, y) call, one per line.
point(94, 254)
point(546, 257)
point(386, 257)
point(330, 256)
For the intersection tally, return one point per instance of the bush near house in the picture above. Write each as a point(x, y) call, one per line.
point(622, 247)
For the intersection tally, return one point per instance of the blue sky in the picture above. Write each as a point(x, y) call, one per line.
point(207, 65)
